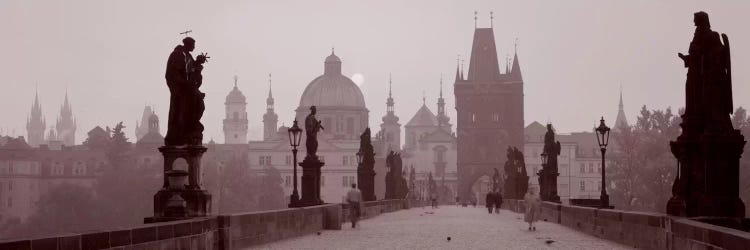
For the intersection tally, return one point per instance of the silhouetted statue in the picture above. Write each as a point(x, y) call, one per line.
point(548, 174)
point(709, 148)
point(709, 83)
point(366, 171)
point(312, 127)
point(183, 75)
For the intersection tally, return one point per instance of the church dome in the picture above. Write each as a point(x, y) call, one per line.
point(332, 88)
point(235, 96)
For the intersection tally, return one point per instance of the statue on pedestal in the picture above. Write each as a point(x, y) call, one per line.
point(709, 148)
point(311, 164)
point(366, 170)
point(181, 196)
point(548, 174)
point(312, 127)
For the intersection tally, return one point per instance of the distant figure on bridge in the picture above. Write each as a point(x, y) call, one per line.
point(532, 207)
point(354, 198)
point(498, 201)
point(489, 201)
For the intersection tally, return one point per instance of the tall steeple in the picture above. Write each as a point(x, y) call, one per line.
point(66, 125)
point(270, 118)
point(390, 129)
point(621, 121)
point(442, 118)
point(36, 124)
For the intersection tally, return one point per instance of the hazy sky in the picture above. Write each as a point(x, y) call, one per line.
point(574, 55)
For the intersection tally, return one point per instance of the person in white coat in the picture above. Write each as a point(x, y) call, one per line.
point(533, 206)
point(354, 199)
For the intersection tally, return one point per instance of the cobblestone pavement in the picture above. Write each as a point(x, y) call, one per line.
point(427, 228)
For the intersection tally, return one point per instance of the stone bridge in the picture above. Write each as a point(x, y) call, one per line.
point(403, 224)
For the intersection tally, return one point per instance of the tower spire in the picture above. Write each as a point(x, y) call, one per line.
point(235, 81)
point(475, 18)
point(269, 86)
point(389, 102)
point(441, 86)
point(492, 19)
point(390, 85)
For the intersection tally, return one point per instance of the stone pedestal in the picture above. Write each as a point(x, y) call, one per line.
point(708, 183)
point(181, 201)
point(548, 186)
point(311, 181)
point(366, 182)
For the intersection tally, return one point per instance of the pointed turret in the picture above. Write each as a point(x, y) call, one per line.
point(36, 124)
point(515, 71)
point(66, 125)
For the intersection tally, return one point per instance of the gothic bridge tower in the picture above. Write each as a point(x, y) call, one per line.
point(489, 106)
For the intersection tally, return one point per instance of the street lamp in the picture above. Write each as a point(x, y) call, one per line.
point(360, 156)
point(295, 135)
point(602, 137)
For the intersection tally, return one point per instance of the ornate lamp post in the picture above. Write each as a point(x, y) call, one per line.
point(295, 135)
point(602, 137)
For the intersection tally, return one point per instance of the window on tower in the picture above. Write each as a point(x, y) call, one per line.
point(236, 116)
point(473, 117)
point(495, 117)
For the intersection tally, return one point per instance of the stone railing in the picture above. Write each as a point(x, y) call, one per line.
point(232, 231)
point(638, 229)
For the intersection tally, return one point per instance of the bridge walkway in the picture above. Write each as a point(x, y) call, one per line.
point(427, 228)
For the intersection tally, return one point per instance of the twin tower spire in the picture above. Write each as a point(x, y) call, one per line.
point(63, 131)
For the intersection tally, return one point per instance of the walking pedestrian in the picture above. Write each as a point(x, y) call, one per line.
point(354, 199)
point(489, 201)
point(498, 201)
point(532, 208)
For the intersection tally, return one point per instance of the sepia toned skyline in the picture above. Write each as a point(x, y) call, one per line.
point(109, 56)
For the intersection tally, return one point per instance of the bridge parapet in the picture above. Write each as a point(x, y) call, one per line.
point(639, 229)
point(231, 231)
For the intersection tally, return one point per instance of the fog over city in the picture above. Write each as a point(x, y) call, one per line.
point(109, 56)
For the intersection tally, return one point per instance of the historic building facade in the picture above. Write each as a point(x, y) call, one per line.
point(490, 109)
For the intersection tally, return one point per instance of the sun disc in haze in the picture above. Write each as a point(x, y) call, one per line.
point(358, 79)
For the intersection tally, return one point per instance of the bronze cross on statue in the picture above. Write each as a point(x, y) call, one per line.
point(186, 32)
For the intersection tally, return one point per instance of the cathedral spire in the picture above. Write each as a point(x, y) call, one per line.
point(66, 124)
point(621, 120)
point(36, 124)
